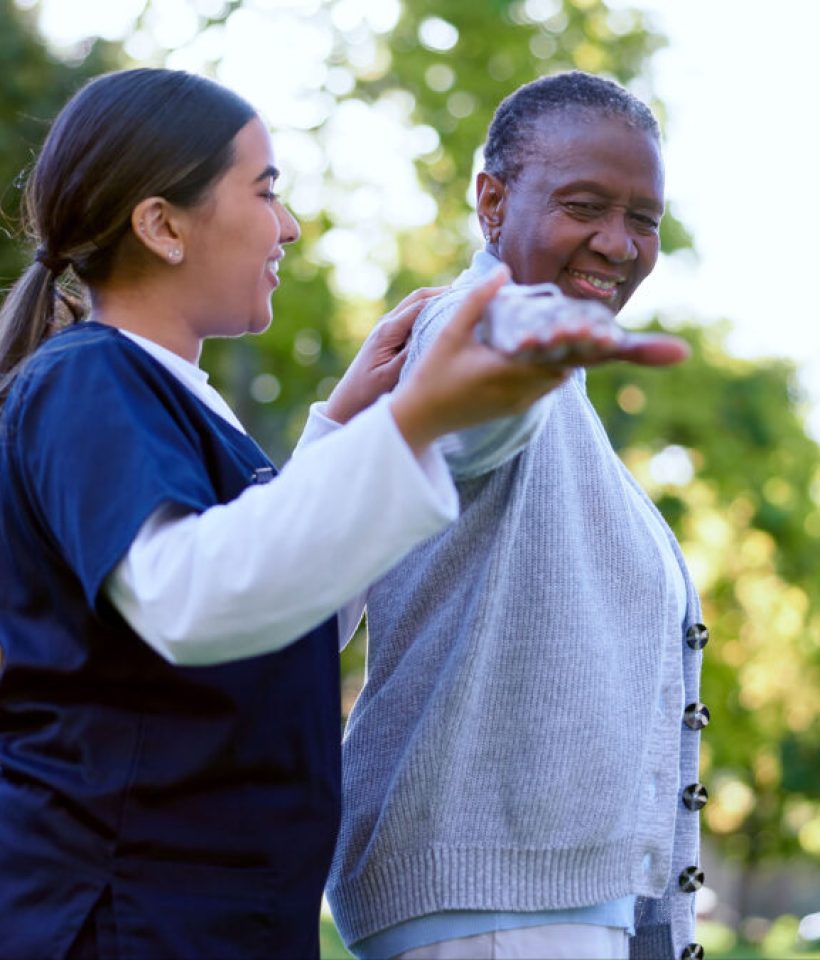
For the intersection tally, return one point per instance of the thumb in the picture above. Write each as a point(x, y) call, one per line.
point(471, 311)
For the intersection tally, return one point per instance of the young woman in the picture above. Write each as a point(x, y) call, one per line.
point(169, 701)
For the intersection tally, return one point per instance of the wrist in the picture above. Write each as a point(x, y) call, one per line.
point(340, 406)
point(414, 421)
point(407, 421)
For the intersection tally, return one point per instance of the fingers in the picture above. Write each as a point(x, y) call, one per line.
point(570, 347)
point(653, 349)
point(422, 294)
point(392, 368)
point(576, 347)
point(398, 322)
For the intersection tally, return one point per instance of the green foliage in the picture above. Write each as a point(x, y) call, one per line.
point(331, 946)
point(35, 86)
point(742, 419)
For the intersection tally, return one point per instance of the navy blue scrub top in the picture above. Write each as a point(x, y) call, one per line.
point(203, 801)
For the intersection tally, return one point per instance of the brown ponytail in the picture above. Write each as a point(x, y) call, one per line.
point(26, 319)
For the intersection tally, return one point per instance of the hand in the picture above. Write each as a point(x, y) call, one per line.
point(376, 367)
point(585, 345)
point(461, 382)
point(652, 349)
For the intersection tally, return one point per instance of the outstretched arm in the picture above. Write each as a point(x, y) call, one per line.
point(579, 338)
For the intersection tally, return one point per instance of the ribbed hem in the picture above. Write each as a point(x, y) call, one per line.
point(470, 878)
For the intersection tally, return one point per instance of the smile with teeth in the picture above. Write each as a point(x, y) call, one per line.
point(605, 286)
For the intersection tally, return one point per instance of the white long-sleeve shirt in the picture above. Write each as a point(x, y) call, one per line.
point(250, 576)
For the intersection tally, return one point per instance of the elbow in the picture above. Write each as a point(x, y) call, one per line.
point(175, 642)
point(173, 651)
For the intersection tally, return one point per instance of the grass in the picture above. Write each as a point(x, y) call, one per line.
point(330, 942)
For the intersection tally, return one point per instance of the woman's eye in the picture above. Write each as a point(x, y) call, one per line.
point(584, 209)
point(646, 221)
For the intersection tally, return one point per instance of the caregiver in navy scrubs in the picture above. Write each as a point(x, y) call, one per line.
point(169, 751)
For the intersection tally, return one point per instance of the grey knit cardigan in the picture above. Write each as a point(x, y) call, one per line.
point(528, 728)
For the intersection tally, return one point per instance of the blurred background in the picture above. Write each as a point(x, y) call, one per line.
point(379, 109)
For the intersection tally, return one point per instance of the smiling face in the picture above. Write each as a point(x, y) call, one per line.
point(583, 213)
point(234, 240)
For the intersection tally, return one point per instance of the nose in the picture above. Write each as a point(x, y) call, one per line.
point(614, 240)
point(289, 226)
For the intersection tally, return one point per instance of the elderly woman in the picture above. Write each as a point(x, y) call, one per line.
point(520, 770)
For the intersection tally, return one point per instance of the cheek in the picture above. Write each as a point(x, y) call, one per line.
point(550, 245)
point(530, 238)
point(648, 250)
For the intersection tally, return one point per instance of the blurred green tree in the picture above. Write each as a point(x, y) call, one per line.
point(35, 85)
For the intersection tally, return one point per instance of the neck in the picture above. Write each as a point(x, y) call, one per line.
point(152, 316)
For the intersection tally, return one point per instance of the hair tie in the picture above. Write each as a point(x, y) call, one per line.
point(56, 265)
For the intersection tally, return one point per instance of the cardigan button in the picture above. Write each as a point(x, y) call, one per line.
point(696, 716)
point(692, 951)
point(697, 636)
point(691, 879)
point(695, 796)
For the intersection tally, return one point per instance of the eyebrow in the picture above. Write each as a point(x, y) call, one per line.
point(268, 172)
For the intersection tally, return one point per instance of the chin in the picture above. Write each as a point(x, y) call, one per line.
point(260, 324)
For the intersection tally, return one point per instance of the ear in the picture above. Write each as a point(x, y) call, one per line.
point(158, 226)
point(491, 196)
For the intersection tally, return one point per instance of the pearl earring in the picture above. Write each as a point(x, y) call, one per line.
point(175, 254)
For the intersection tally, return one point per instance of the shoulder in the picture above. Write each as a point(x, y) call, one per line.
point(89, 361)
point(81, 355)
point(87, 381)
point(92, 342)
point(440, 309)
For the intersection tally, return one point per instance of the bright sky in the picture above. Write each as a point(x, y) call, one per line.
point(739, 80)
point(739, 83)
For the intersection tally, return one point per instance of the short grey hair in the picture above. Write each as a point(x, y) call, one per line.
point(514, 135)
